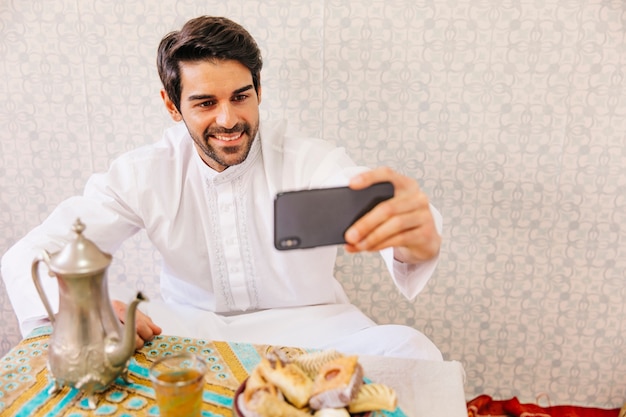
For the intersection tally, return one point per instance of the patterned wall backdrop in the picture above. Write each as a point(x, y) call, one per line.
point(512, 115)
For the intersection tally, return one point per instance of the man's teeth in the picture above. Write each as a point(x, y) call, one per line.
point(229, 137)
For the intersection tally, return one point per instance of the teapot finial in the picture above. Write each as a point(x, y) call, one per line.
point(78, 227)
point(80, 256)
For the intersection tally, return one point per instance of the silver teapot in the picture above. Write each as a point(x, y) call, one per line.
point(87, 348)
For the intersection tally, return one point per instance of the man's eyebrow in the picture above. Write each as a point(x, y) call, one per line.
point(211, 96)
point(242, 89)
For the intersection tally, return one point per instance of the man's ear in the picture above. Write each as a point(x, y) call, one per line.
point(171, 108)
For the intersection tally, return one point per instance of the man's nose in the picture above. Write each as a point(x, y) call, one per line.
point(226, 116)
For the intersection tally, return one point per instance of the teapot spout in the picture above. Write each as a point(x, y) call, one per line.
point(120, 353)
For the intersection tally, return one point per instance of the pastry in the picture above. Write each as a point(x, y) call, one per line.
point(337, 383)
point(256, 383)
point(312, 362)
point(279, 386)
point(295, 385)
point(374, 397)
point(265, 404)
point(270, 406)
point(332, 412)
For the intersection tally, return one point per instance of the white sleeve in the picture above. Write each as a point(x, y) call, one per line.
point(50, 236)
point(412, 278)
point(28, 307)
point(107, 223)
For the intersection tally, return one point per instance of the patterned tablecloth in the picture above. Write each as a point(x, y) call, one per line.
point(24, 379)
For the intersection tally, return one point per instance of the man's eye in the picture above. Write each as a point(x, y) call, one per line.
point(206, 104)
point(240, 97)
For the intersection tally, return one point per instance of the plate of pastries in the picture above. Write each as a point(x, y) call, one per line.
point(321, 384)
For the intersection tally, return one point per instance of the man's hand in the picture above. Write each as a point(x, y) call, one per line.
point(146, 329)
point(403, 222)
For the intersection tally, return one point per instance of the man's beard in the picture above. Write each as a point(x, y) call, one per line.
point(219, 155)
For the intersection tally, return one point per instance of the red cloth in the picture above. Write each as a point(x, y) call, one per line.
point(484, 405)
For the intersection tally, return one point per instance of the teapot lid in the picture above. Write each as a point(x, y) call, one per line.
point(80, 256)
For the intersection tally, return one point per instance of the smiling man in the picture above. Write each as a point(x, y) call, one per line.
point(204, 195)
point(222, 117)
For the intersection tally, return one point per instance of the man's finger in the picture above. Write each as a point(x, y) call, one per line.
point(145, 329)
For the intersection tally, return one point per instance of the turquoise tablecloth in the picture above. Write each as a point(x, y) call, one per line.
point(24, 379)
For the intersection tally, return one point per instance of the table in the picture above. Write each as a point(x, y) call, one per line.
point(424, 388)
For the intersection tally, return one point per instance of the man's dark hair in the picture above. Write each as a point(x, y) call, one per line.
point(206, 38)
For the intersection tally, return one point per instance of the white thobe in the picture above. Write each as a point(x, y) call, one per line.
point(221, 276)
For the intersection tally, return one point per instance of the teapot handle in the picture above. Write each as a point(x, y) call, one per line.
point(37, 280)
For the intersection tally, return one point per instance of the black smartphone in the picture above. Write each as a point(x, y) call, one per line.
point(321, 216)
